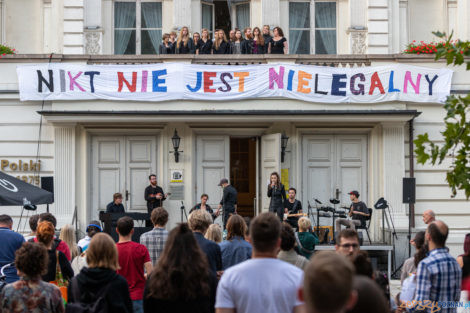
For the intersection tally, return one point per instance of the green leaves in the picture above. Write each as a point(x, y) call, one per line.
point(457, 125)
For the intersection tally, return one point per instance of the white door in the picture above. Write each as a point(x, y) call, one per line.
point(270, 162)
point(213, 163)
point(121, 164)
point(334, 165)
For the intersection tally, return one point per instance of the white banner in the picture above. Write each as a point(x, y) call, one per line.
point(171, 81)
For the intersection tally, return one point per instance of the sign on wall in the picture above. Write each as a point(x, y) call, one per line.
point(174, 81)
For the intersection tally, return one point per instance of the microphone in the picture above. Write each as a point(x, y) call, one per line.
point(317, 201)
point(182, 205)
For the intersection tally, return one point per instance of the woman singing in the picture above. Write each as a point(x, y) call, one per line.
point(277, 193)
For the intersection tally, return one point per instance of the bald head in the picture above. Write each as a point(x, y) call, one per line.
point(436, 234)
point(428, 217)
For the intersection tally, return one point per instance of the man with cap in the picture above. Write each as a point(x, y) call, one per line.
point(92, 229)
point(358, 211)
point(228, 202)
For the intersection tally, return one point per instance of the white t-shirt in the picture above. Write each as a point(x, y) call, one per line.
point(260, 285)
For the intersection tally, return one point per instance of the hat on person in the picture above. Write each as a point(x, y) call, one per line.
point(223, 181)
point(94, 224)
point(354, 192)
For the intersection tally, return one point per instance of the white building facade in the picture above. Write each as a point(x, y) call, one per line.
point(95, 148)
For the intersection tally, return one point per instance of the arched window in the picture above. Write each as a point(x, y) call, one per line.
point(137, 26)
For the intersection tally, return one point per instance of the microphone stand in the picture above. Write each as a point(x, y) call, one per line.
point(183, 212)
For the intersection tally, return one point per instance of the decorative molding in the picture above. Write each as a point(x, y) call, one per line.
point(64, 173)
point(358, 38)
point(93, 42)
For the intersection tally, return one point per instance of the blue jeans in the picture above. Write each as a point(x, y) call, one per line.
point(138, 306)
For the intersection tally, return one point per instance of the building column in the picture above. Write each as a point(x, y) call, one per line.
point(182, 13)
point(393, 140)
point(357, 30)
point(64, 174)
point(93, 27)
point(404, 25)
point(270, 12)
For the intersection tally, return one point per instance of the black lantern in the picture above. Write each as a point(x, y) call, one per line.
point(284, 140)
point(176, 144)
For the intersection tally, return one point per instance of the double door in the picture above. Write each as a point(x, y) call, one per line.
point(334, 165)
point(121, 164)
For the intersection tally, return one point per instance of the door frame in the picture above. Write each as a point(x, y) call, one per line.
point(124, 132)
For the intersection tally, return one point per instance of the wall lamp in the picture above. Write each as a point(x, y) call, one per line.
point(176, 144)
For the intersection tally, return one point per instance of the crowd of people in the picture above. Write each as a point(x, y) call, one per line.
point(246, 41)
point(263, 265)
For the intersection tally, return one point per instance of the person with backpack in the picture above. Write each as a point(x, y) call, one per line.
point(98, 288)
point(305, 239)
point(57, 244)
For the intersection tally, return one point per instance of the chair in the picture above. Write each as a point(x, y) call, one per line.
point(366, 227)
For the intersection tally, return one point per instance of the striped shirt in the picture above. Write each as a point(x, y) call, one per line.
point(438, 279)
point(155, 241)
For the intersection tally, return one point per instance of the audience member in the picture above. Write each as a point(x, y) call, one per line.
point(382, 281)
point(100, 279)
point(236, 43)
point(33, 225)
point(429, 216)
point(199, 222)
point(184, 43)
point(362, 264)
point(235, 249)
point(155, 239)
point(464, 262)
point(133, 259)
point(411, 264)
point(439, 275)
point(11, 241)
point(182, 282)
point(259, 46)
point(165, 47)
point(370, 299)
point(266, 36)
point(203, 206)
point(116, 205)
point(245, 288)
point(67, 235)
point(93, 228)
point(328, 284)
point(305, 239)
point(247, 43)
point(30, 293)
point(347, 243)
point(79, 263)
point(287, 252)
point(278, 43)
point(214, 233)
point(204, 46)
point(57, 244)
point(45, 235)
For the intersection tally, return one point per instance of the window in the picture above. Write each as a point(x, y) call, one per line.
point(137, 27)
point(208, 17)
point(243, 15)
point(307, 35)
point(225, 15)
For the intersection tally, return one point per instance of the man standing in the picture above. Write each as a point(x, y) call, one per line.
point(358, 211)
point(263, 283)
point(267, 37)
point(429, 216)
point(11, 241)
point(347, 243)
point(154, 194)
point(133, 259)
point(115, 206)
point(438, 276)
point(228, 202)
point(292, 206)
point(155, 239)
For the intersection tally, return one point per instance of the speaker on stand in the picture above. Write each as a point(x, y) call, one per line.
point(47, 183)
point(409, 196)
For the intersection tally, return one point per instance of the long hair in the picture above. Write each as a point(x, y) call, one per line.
point(259, 38)
point(102, 252)
point(220, 38)
point(466, 245)
point(67, 234)
point(205, 30)
point(182, 271)
point(236, 227)
point(181, 38)
point(45, 233)
point(279, 31)
point(278, 183)
point(421, 248)
point(214, 233)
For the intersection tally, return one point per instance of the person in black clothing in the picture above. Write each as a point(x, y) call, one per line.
point(45, 235)
point(185, 44)
point(204, 206)
point(115, 206)
point(247, 44)
point(220, 46)
point(258, 43)
point(204, 45)
point(267, 36)
point(182, 281)
point(236, 43)
point(464, 262)
point(228, 202)
point(292, 206)
point(166, 47)
point(100, 279)
point(278, 44)
point(358, 211)
point(154, 194)
point(196, 38)
point(277, 193)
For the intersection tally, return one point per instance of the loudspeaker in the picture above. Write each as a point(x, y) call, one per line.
point(409, 190)
point(47, 183)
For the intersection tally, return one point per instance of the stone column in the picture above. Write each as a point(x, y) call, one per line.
point(393, 136)
point(93, 27)
point(270, 12)
point(357, 30)
point(64, 174)
point(182, 13)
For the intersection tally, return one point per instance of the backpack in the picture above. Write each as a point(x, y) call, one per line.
point(98, 305)
point(3, 277)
